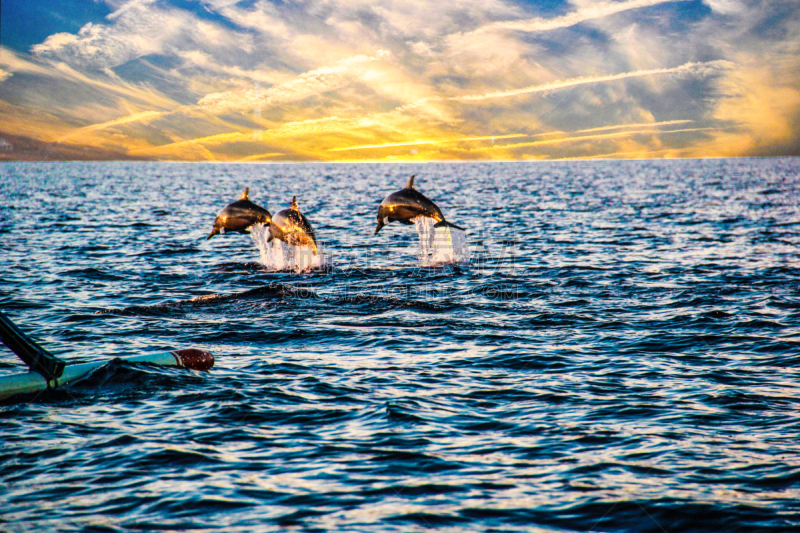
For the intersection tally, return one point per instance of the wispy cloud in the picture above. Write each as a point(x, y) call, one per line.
point(727, 7)
point(430, 141)
point(636, 154)
point(258, 157)
point(687, 68)
point(579, 138)
point(220, 138)
point(13, 62)
point(136, 117)
point(639, 125)
point(589, 11)
point(303, 86)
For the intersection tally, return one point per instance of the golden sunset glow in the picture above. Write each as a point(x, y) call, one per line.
point(221, 80)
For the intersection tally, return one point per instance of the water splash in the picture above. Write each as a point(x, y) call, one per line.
point(279, 256)
point(440, 246)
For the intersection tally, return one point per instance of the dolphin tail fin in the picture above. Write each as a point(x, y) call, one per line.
point(244, 195)
point(446, 224)
point(294, 203)
point(410, 184)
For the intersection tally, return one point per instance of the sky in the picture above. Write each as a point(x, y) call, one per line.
point(353, 80)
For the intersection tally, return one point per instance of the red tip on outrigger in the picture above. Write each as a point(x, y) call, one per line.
point(50, 372)
point(195, 359)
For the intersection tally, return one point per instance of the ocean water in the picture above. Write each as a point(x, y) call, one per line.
point(618, 349)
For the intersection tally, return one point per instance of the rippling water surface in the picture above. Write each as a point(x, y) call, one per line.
point(620, 353)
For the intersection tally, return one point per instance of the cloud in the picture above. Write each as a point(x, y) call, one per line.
point(413, 20)
point(61, 72)
point(766, 109)
point(266, 155)
point(699, 69)
point(578, 138)
point(205, 63)
point(13, 62)
point(264, 18)
point(58, 41)
point(308, 84)
point(588, 11)
point(136, 117)
point(640, 125)
point(726, 7)
point(429, 141)
point(138, 28)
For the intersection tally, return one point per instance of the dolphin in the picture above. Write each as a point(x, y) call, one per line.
point(239, 216)
point(292, 227)
point(407, 204)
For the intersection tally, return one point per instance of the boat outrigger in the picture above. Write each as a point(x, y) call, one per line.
point(46, 371)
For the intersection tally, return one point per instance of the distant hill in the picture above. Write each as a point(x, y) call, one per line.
point(19, 148)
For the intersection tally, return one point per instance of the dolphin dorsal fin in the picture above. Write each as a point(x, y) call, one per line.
point(294, 203)
point(244, 194)
point(410, 184)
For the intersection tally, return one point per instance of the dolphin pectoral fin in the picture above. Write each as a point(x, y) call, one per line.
point(446, 224)
point(406, 221)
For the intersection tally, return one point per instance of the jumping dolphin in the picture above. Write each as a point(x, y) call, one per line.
point(291, 227)
point(239, 216)
point(407, 204)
